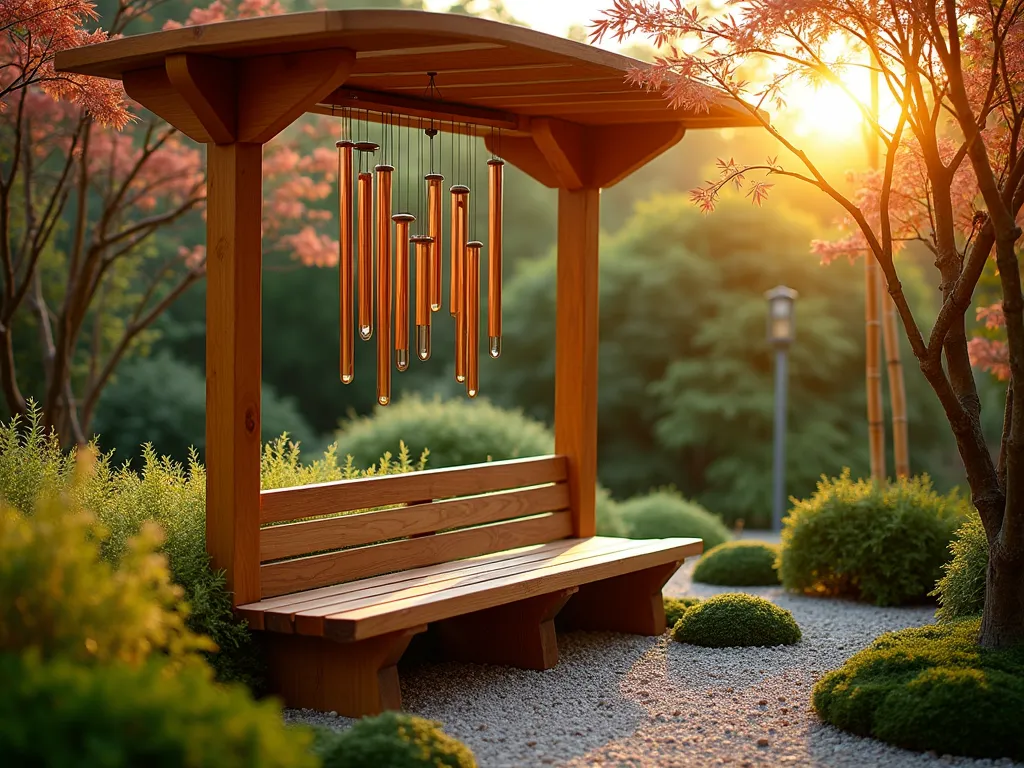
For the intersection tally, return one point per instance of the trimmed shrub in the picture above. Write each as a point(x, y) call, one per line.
point(739, 564)
point(884, 545)
point(456, 431)
point(609, 515)
point(736, 619)
point(395, 740)
point(675, 607)
point(930, 688)
point(666, 514)
point(961, 590)
point(62, 714)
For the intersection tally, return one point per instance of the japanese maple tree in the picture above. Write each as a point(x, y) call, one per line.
point(953, 180)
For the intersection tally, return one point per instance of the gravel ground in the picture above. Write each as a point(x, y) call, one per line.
point(619, 700)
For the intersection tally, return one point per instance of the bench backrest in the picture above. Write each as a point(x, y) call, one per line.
point(447, 514)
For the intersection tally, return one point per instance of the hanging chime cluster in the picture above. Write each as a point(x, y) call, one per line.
point(366, 198)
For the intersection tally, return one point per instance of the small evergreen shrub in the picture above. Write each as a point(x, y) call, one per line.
point(931, 688)
point(609, 516)
point(395, 740)
point(665, 514)
point(456, 431)
point(61, 714)
point(961, 590)
point(739, 564)
point(736, 619)
point(675, 607)
point(884, 545)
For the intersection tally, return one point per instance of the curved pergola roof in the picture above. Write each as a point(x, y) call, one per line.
point(488, 73)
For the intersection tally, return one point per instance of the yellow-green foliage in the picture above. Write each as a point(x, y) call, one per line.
point(666, 514)
point(675, 607)
point(961, 590)
point(59, 714)
point(739, 564)
point(931, 688)
point(395, 740)
point(59, 598)
point(884, 545)
point(736, 619)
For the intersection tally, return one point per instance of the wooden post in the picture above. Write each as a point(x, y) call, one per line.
point(233, 341)
point(576, 349)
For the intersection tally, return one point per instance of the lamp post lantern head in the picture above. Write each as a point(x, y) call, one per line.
point(781, 315)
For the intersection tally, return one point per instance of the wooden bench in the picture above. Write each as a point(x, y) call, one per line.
point(481, 554)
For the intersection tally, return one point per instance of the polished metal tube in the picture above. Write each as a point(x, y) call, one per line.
point(384, 277)
point(495, 175)
point(346, 331)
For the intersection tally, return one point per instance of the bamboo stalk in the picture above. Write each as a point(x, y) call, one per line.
point(897, 389)
point(872, 327)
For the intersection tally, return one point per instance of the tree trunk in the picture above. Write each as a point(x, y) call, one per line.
point(1002, 623)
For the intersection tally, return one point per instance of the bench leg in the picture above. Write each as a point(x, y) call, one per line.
point(630, 603)
point(520, 634)
point(353, 679)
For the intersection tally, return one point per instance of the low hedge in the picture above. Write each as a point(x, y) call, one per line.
point(675, 607)
point(392, 740)
point(666, 514)
point(881, 544)
point(739, 564)
point(736, 619)
point(931, 688)
point(961, 590)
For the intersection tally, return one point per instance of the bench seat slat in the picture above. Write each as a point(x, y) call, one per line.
point(381, 618)
point(293, 539)
point(322, 570)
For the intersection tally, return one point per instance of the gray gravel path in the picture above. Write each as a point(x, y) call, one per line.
point(618, 700)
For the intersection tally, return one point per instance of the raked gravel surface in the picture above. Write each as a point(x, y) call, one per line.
point(619, 700)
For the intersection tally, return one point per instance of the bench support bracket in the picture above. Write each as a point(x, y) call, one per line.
point(629, 603)
point(353, 679)
point(520, 634)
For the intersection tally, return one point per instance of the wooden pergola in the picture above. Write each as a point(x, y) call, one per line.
point(568, 118)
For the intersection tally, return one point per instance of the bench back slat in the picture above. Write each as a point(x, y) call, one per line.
point(320, 570)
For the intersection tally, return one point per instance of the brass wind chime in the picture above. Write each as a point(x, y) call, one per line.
point(369, 255)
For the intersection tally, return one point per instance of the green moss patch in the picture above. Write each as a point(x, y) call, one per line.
point(675, 607)
point(931, 688)
point(394, 740)
point(739, 564)
point(736, 619)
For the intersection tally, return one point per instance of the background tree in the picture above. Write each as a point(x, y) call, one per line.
point(953, 179)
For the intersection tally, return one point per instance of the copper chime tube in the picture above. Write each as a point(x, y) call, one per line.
point(402, 222)
point(364, 204)
point(472, 315)
point(495, 173)
point(424, 273)
point(460, 236)
point(384, 283)
point(345, 259)
point(434, 231)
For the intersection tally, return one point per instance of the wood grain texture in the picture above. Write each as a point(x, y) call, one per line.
point(520, 634)
point(293, 539)
point(153, 89)
point(320, 570)
point(629, 603)
point(207, 85)
point(352, 679)
point(381, 618)
point(613, 158)
point(563, 146)
point(233, 341)
point(285, 504)
point(576, 343)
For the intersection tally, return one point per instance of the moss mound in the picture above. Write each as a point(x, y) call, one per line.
point(931, 688)
point(395, 740)
point(739, 564)
point(675, 607)
point(883, 545)
point(665, 514)
point(736, 619)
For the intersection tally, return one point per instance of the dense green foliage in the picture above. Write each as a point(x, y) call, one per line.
point(930, 688)
point(961, 590)
point(675, 607)
point(395, 740)
point(884, 545)
point(736, 619)
point(62, 715)
point(457, 432)
point(665, 514)
point(739, 564)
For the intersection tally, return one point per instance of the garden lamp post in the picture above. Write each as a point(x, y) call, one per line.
point(781, 328)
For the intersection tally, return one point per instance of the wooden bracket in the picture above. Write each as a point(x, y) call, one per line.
point(352, 679)
point(220, 101)
point(629, 603)
point(520, 634)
